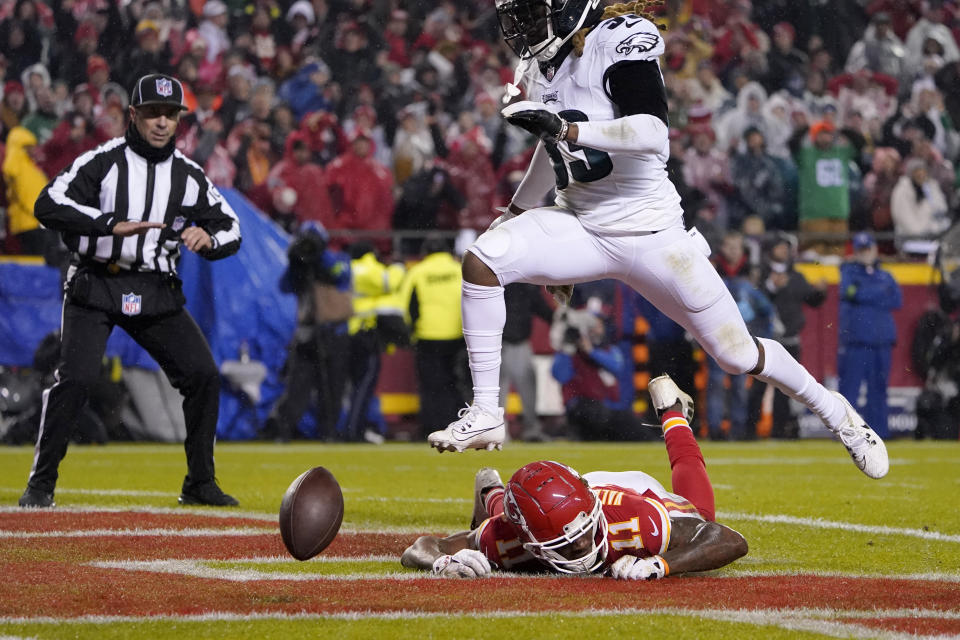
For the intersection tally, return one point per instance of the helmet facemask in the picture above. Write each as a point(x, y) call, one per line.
point(581, 548)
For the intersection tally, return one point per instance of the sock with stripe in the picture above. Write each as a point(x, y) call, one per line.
point(689, 472)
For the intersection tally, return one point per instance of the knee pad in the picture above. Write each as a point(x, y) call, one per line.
point(737, 358)
point(493, 244)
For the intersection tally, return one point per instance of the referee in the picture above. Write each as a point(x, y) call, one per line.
point(123, 210)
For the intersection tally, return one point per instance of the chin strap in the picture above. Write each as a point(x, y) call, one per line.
point(512, 89)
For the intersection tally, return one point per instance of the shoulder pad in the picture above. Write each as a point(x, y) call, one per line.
point(629, 37)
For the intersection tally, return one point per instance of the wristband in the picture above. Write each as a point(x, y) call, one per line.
point(564, 127)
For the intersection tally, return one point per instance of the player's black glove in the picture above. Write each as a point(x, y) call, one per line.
point(547, 126)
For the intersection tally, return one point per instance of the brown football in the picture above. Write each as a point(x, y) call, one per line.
point(311, 513)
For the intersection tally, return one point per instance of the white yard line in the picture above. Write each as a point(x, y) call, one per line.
point(136, 533)
point(823, 621)
point(820, 523)
point(361, 528)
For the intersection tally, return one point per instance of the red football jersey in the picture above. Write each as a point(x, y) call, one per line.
point(637, 509)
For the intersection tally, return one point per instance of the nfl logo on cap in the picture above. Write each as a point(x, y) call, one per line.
point(164, 87)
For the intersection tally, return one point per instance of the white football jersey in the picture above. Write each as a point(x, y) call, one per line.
point(610, 192)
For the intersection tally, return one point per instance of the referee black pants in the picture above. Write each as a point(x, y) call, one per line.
point(178, 346)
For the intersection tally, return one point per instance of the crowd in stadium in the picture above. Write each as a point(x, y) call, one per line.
point(372, 115)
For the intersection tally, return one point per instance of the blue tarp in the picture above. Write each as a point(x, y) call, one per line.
point(235, 301)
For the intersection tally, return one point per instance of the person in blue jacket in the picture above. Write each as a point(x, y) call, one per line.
point(868, 297)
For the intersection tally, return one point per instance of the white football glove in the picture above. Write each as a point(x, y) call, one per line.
point(634, 568)
point(503, 217)
point(561, 293)
point(465, 563)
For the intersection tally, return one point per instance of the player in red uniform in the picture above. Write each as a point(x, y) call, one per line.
point(623, 524)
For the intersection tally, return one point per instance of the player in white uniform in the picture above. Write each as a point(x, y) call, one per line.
point(602, 119)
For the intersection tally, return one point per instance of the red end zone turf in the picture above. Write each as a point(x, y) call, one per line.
point(57, 572)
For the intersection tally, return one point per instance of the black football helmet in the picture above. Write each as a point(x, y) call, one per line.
point(539, 28)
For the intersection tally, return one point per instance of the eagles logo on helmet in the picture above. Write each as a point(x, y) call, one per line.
point(539, 28)
point(560, 518)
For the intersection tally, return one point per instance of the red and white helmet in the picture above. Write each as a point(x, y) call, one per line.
point(560, 518)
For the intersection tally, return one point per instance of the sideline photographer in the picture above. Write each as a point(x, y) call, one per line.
point(588, 368)
point(318, 355)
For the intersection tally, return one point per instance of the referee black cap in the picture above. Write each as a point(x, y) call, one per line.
point(157, 88)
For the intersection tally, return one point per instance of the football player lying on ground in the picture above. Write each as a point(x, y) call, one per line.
point(595, 97)
point(621, 524)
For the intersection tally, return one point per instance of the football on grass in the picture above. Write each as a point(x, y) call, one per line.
point(311, 513)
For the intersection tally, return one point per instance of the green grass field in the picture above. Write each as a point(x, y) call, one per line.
point(803, 507)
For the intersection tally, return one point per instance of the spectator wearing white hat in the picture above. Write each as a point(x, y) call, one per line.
point(213, 28)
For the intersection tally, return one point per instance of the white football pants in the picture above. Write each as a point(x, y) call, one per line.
point(669, 268)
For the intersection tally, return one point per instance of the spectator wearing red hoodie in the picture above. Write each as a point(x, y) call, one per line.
point(298, 186)
point(473, 175)
point(73, 136)
point(13, 107)
point(397, 39)
point(739, 37)
point(361, 189)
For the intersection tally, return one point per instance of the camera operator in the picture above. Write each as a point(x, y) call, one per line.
point(588, 367)
point(318, 354)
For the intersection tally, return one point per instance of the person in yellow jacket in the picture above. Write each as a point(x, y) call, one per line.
point(377, 323)
point(431, 298)
point(25, 180)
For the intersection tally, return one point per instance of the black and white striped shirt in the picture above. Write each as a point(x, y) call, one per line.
point(113, 183)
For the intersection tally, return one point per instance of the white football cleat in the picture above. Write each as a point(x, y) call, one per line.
point(865, 446)
point(485, 480)
point(475, 429)
point(664, 393)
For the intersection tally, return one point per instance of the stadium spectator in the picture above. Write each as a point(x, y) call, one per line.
point(878, 192)
point(867, 333)
point(880, 50)
point(759, 182)
point(71, 62)
point(72, 137)
point(361, 189)
point(472, 173)
point(789, 291)
point(931, 36)
point(731, 126)
point(430, 295)
point(213, 28)
point(783, 59)
point(824, 198)
point(13, 108)
point(707, 168)
point(364, 118)
point(398, 43)
point(304, 91)
point(730, 398)
point(236, 103)
point(24, 181)
point(302, 19)
point(149, 55)
point(299, 186)
point(918, 208)
point(43, 117)
point(21, 44)
point(415, 143)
